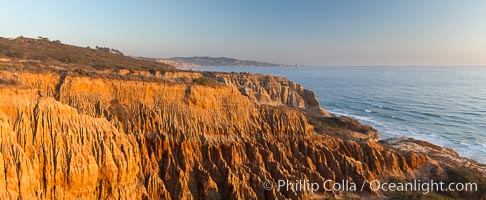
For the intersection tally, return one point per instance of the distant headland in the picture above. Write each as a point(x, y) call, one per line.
point(217, 61)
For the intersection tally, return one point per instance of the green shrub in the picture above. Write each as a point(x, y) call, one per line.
point(206, 81)
point(4, 81)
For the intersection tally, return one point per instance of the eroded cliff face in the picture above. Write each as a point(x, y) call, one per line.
point(70, 137)
point(271, 90)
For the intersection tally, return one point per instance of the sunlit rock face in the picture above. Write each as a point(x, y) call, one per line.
point(76, 137)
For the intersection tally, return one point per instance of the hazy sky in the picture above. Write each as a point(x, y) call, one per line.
point(320, 32)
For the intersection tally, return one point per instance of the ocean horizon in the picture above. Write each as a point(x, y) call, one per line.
point(442, 105)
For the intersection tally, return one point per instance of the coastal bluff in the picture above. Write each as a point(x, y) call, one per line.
point(70, 136)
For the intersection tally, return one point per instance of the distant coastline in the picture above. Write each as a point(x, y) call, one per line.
point(219, 61)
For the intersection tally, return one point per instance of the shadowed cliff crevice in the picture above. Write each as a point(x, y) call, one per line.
point(62, 78)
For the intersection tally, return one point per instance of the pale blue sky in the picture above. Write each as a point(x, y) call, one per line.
point(340, 32)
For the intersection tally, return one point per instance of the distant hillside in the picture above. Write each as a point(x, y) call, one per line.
point(175, 63)
point(42, 50)
point(221, 61)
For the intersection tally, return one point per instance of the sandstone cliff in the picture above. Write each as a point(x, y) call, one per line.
point(66, 136)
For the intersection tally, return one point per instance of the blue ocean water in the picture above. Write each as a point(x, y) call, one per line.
point(442, 105)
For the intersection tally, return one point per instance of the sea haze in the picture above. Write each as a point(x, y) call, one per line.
point(442, 105)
